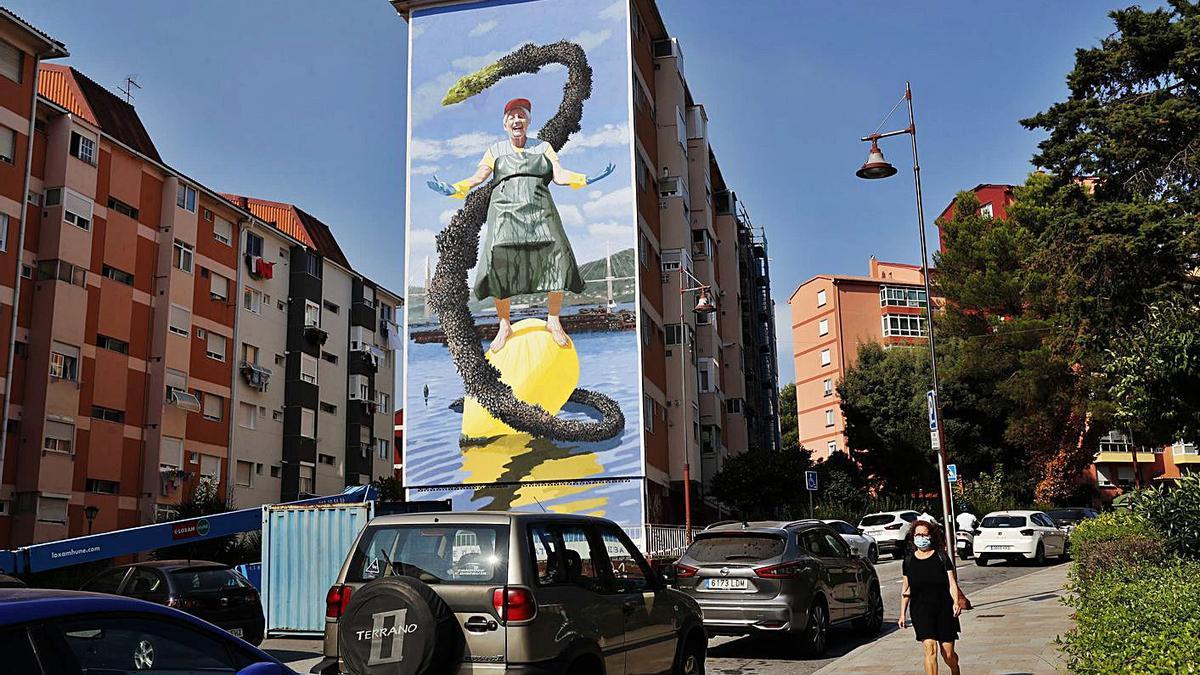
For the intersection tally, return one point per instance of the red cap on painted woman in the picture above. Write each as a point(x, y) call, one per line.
point(518, 103)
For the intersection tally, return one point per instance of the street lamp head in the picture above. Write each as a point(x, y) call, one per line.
point(90, 512)
point(705, 305)
point(876, 166)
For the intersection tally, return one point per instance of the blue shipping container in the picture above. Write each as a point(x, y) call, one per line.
point(303, 550)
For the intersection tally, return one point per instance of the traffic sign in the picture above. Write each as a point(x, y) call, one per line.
point(952, 473)
point(935, 439)
point(931, 397)
point(810, 477)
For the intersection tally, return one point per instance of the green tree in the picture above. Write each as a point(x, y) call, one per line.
point(202, 500)
point(789, 426)
point(764, 483)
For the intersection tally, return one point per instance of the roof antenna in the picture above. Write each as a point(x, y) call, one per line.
point(130, 85)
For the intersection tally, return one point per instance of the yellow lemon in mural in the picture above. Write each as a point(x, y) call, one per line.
point(538, 370)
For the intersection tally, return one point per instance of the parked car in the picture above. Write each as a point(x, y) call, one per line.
point(863, 544)
point(889, 529)
point(526, 592)
point(44, 632)
point(10, 582)
point(211, 591)
point(1019, 535)
point(1068, 518)
point(780, 578)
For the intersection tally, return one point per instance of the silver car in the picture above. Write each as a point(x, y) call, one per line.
point(489, 592)
point(780, 578)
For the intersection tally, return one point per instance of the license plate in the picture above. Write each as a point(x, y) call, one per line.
point(728, 584)
point(999, 547)
point(873, 533)
point(962, 544)
point(236, 632)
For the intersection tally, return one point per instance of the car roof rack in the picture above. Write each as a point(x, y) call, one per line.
point(801, 522)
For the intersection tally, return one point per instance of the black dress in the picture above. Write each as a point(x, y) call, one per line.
point(929, 602)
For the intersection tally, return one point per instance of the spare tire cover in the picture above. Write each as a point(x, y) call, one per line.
point(398, 626)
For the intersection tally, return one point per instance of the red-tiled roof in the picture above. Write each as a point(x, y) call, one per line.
point(54, 49)
point(322, 237)
point(84, 97)
point(296, 223)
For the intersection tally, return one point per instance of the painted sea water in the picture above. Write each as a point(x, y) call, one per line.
point(518, 471)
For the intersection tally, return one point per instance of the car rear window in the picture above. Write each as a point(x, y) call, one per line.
point(472, 554)
point(1004, 521)
point(736, 548)
point(206, 580)
point(1066, 514)
point(882, 519)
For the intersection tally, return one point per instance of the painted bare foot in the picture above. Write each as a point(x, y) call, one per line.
point(504, 332)
point(556, 331)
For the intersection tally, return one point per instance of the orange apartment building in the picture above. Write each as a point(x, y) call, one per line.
point(832, 315)
point(124, 287)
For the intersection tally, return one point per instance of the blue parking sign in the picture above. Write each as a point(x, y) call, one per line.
point(931, 398)
point(952, 473)
point(810, 477)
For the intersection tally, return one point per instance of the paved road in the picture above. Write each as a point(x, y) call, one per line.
point(747, 656)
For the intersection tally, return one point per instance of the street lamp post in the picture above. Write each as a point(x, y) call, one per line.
point(90, 512)
point(704, 305)
point(874, 168)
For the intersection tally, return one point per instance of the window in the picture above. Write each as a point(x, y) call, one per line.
point(906, 325)
point(823, 327)
point(117, 275)
point(276, 471)
point(247, 415)
point(254, 245)
point(252, 300)
point(308, 368)
point(112, 344)
point(8, 144)
point(222, 229)
point(821, 298)
point(77, 210)
point(308, 423)
point(384, 402)
point(629, 570)
point(312, 264)
point(332, 358)
point(986, 210)
point(170, 453)
point(331, 307)
point(327, 460)
point(93, 643)
point(121, 207)
point(104, 487)
point(249, 353)
point(734, 406)
point(185, 197)
point(183, 256)
point(26, 272)
point(64, 361)
point(306, 479)
point(108, 414)
point(11, 61)
point(180, 321)
point(61, 270)
point(829, 418)
point(832, 447)
point(706, 370)
point(214, 407)
point(384, 448)
point(243, 473)
point(218, 286)
point(360, 388)
point(3, 232)
point(207, 214)
point(52, 509)
point(216, 346)
point(34, 197)
point(83, 147)
point(828, 386)
point(59, 437)
point(210, 468)
point(328, 408)
point(674, 333)
point(826, 357)
point(893, 296)
point(312, 314)
point(565, 554)
point(54, 196)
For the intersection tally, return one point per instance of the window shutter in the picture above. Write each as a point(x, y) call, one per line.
point(79, 204)
point(8, 144)
point(10, 61)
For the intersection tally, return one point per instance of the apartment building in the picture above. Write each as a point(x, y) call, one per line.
point(161, 335)
point(832, 315)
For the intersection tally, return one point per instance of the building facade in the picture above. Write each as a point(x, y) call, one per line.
point(160, 334)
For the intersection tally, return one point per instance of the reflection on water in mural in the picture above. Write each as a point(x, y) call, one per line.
point(617, 500)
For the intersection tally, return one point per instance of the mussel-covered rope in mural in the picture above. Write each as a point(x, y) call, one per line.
point(458, 250)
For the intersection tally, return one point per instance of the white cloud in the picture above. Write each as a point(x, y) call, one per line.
point(421, 238)
point(483, 27)
point(615, 204)
point(470, 64)
point(427, 97)
point(614, 11)
point(470, 144)
point(617, 233)
point(590, 39)
point(445, 216)
point(425, 169)
point(607, 135)
point(418, 29)
point(571, 216)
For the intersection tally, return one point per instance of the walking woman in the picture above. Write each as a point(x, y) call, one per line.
point(931, 592)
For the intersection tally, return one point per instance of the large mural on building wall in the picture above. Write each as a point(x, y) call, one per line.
point(522, 365)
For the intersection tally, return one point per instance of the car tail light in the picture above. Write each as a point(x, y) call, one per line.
point(685, 571)
point(182, 603)
point(894, 526)
point(514, 604)
point(1026, 533)
point(785, 571)
point(336, 600)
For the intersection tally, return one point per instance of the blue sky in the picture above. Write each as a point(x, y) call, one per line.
point(304, 101)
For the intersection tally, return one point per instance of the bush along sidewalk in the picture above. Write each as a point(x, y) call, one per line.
point(1135, 588)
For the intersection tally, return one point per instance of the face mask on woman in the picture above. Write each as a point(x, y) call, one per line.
point(923, 542)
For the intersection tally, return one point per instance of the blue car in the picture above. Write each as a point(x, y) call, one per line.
point(45, 632)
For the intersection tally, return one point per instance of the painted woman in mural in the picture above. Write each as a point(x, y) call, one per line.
point(526, 248)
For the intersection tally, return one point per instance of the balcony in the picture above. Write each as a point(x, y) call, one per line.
point(315, 334)
point(256, 376)
point(184, 400)
point(1185, 453)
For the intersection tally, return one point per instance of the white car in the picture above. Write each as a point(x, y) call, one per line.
point(864, 545)
point(889, 530)
point(1019, 535)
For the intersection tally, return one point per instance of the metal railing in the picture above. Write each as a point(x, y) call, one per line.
point(659, 542)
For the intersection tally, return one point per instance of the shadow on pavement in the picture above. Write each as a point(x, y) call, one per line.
point(787, 648)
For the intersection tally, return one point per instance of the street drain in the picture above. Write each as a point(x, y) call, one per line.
point(990, 616)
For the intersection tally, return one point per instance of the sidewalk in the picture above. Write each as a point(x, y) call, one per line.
point(1010, 630)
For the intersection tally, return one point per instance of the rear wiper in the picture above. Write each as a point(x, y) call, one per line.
point(387, 563)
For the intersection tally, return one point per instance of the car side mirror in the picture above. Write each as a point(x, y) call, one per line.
point(859, 530)
point(264, 668)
